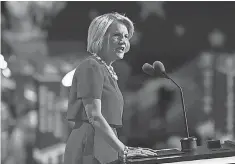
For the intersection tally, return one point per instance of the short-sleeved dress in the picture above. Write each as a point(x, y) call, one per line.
point(92, 80)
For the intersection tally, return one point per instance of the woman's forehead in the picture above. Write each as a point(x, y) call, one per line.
point(117, 27)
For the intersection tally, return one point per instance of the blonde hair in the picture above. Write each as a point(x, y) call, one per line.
point(99, 26)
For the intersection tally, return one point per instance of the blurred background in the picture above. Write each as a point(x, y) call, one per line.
point(41, 41)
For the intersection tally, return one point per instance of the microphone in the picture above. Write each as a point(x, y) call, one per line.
point(157, 65)
point(148, 69)
point(188, 143)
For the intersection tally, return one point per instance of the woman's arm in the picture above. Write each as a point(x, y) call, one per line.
point(93, 111)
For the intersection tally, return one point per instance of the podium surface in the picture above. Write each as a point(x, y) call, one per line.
point(202, 155)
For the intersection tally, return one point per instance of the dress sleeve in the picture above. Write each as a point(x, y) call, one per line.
point(90, 79)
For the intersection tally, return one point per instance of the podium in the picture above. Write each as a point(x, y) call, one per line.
point(202, 155)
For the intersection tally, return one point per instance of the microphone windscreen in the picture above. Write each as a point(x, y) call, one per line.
point(148, 69)
point(157, 65)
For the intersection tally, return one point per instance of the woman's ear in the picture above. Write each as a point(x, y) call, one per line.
point(127, 47)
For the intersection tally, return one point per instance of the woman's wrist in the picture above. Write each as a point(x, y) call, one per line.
point(123, 154)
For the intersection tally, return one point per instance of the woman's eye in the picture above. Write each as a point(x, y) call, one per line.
point(120, 36)
point(116, 35)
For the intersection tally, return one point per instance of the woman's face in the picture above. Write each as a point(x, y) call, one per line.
point(116, 40)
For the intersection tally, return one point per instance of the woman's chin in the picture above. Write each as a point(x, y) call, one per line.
point(120, 55)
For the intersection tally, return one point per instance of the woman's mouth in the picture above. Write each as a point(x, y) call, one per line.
point(120, 49)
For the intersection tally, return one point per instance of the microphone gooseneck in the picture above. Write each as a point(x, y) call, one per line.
point(183, 104)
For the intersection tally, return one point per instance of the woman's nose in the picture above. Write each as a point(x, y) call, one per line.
point(122, 40)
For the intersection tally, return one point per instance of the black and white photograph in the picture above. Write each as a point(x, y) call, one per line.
point(117, 82)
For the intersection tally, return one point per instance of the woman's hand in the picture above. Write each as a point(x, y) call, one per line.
point(132, 152)
point(140, 152)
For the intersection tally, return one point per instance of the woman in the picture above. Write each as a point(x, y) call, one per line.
point(93, 139)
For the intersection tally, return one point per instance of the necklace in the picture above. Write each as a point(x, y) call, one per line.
point(109, 68)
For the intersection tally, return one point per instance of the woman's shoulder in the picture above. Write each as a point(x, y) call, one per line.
point(90, 62)
point(87, 63)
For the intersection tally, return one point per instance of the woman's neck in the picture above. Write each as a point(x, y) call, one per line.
point(106, 59)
